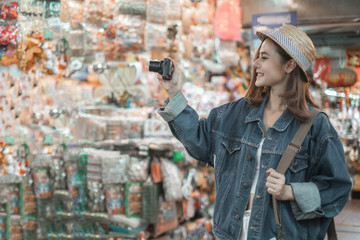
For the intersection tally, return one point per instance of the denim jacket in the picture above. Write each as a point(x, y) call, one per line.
point(228, 140)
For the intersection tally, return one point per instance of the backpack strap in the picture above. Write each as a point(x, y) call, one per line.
point(293, 147)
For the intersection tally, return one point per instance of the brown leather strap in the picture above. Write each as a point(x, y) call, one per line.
point(293, 147)
point(331, 232)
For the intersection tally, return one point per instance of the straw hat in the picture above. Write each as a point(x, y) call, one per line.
point(295, 42)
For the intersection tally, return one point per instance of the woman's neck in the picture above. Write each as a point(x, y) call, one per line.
point(276, 102)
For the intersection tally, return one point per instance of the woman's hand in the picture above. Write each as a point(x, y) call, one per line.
point(172, 86)
point(276, 186)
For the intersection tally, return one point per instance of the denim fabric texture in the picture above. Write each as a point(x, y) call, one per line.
point(228, 140)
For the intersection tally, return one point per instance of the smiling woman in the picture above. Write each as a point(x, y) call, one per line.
point(284, 71)
point(248, 137)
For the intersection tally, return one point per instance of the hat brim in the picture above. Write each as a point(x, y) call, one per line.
point(262, 36)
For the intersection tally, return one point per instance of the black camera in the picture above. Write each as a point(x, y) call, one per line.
point(163, 67)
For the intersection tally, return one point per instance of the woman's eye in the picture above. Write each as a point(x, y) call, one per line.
point(263, 58)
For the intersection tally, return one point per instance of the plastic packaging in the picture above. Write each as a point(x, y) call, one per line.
point(172, 181)
point(155, 36)
point(93, 12)
point(8, 35)
point(9, 10)
point(114, 170)
point(157, 11)
point(115, 199)
point(133, 199)
point(138, 169)
point(133, 7)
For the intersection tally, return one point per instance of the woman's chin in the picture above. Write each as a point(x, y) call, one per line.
point(259, 84)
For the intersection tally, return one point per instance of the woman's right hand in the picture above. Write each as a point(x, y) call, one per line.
point(172, 86)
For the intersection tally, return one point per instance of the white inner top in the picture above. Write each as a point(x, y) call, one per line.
point(257, 167)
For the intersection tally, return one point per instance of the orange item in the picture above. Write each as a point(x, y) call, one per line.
point(322, 66)
point(156, 172)
point(341, 78)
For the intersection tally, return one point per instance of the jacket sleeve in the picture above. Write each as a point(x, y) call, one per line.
point(329, 185)
point(185, 125)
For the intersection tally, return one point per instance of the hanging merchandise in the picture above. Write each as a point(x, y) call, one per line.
point(132, 7)
point(115, 199)
point(28, 198)
point(167, 218)
point(30, 51)
point(76, 11)
point(8, 35)
point(174, 11)
point(90, 156)
point(15, 229)
point(114, 169)
point(138, 169)
point(58, 171)
point(3, 219)
point(227, 53)
point(9, 10)
point(353, 58)
point(133, 199)
point(129, 37)
point(52, 9)
point(75, 168)
point(228, 20)
point(150, 202)
point(9, 57)
point(157, 11)
point(172, 181)
point(155, 36)
point(94, 12)
point(29, 228)
point(341, 78)
point(321, 67)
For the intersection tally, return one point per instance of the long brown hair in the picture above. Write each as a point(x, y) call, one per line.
point(297, 94)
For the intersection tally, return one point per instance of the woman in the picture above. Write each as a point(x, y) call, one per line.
point(244, 141)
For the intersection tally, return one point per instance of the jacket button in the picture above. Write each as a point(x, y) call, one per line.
point(245, 186)
point(249, 158)
point(237, 216)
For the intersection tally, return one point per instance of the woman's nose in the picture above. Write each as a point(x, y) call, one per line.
point(256, 63)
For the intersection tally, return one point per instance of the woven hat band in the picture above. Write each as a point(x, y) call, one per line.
point(291, 48)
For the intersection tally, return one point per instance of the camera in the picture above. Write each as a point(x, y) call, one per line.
point(163, 67)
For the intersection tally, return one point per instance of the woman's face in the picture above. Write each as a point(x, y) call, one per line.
point(269, 67)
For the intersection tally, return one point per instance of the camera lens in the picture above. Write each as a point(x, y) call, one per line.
point(155, 66)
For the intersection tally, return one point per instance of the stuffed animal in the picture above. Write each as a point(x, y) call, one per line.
point(29, 51)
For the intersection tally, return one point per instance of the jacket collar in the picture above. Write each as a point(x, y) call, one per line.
point(280, 125)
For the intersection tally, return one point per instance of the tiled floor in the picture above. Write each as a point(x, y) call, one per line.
point(348, 221)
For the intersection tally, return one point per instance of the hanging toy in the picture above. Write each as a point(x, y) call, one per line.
point(8, 35)
point(9, 11)
point(50, 59)
point(188, 184)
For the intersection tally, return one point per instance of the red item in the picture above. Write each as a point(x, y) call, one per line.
point(9, 10)
point(8, 35)
point(341, 78)
point(228, 20)
point(111, 31)
point(322, 66)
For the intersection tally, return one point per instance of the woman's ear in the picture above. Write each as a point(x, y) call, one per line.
point(290, 66)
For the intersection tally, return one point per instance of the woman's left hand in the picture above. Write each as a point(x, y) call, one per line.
point(276, 186)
